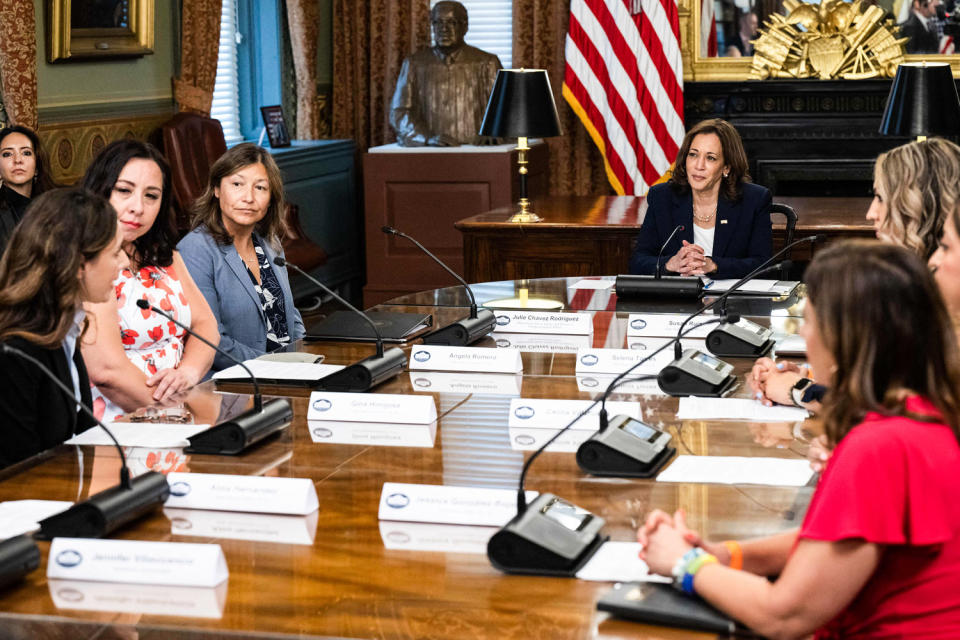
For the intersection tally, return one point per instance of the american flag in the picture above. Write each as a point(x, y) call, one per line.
point(624, 79)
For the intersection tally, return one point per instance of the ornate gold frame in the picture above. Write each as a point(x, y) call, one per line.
point(65, 44)
point(697, 68)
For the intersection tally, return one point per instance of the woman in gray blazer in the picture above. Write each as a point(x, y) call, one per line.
point(238, 223)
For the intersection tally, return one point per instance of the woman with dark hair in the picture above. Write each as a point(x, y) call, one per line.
point(878, 554)
point(145, 358)
point(65, 253)
point(726, 220)
point(238, 224)
point(24, 174)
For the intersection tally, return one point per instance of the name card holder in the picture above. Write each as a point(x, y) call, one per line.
point(253, 494)
point(619, 360)
point(137, 562)
point(542, 413)
point(665, 325)
point(441, 504)
point(544, 322)
point(440, 358)
point(371, 407)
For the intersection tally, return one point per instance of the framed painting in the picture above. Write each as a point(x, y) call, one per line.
point(85, 29)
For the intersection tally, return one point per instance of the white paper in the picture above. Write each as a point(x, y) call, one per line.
point(448, 538)
point(543, 343)
point(23, 516)
point(233, 525)
point(619, 562)
point(619, 360)
point(149, 599)
point(774, 472)
point(667, 325)
point(592, 284)
point(691, 408)
point(255, 494)
point(443, 358)
point(377, 434)
point(792, 344)
point(494, 384)
point(371, 407)
point(140, 434)
point(137, 561)
point(544, 322)
point(750, 286)
point(443, 504)
point(278, 370)
point(550, 413)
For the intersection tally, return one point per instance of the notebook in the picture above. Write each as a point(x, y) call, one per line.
point(347, 325)
point(663, 605)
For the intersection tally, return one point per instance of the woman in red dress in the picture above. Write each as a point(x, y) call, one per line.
point(878, 554)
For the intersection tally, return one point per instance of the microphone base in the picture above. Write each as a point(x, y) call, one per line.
point(366, 374)
point(633, 286)
point(731, 341)
point(240, 433)
point(107, 511)
point(464, 332)
point(607, 460)
point(533, 543)
point(18, 557)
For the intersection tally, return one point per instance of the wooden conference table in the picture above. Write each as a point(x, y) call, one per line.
point(343, 573)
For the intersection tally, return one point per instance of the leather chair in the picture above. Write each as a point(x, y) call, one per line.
point(791, 222)
point(192, 143)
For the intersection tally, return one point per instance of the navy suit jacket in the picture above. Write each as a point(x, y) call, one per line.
point(222, 278)
point(742, 241)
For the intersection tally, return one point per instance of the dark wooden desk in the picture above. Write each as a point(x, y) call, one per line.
point(348, 584)
point(593, 235)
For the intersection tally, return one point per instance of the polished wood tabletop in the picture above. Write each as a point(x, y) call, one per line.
point(349, 575)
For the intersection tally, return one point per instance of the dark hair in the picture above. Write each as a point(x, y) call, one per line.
point(459, 10)
point(881, 316)
point(42, 180)
point(734, 157)
point(206, 209)
point(155, 247)
point(39, 288)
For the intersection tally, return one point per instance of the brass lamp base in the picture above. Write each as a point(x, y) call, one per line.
point(525, 215)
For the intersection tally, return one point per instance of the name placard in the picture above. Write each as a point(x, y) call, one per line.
point(599, 383)
point(150, 599)
point(255, 494)
point(649, 345)
point(234, 525)
point(540, 343)
point(666, 325)
point(371, 407)
point(137, 562)
point(522, 439)
point(448, 505)
point(447, 538)
point(494, 384)
point(619, 360)
point(379, 434)
point(544, 322)
point(440, 358)
point(542, 413)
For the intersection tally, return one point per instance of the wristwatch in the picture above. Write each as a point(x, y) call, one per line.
point(799, 389)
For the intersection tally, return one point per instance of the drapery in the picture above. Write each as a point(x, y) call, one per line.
point(199, 48)
point(18, 62)
point(302, 19)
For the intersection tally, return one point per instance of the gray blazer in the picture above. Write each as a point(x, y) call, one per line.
point(222, 277)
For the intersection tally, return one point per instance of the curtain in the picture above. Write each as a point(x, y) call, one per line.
point(199, 48)
point(539, 33)
point(18, 62)
point(303, 20)
point(370, 40)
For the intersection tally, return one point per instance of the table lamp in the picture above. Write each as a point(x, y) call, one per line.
point(922, 102)
point(521, 106)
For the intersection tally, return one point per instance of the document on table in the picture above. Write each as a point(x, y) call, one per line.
point(751, 286)
point(140, 434)
point(22, 516)
point(747, 409)
point(267, 370)
point(774, 472)
point(618, 562)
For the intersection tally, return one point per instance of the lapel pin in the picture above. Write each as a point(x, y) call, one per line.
point(723, 222)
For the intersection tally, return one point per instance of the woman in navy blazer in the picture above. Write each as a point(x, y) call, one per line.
point(238, 223)
point(725, 219)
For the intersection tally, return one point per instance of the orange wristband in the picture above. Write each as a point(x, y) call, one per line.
point(736, 554)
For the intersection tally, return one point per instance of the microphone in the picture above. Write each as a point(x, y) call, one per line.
point(100, 514)
point(462, 332)
point(551, 536)
point(360, 376)
point(637, 286)
point(18, 557)
point(237, 434)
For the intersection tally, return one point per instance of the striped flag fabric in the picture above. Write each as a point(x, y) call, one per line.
point(708, 29)
point(624, 80)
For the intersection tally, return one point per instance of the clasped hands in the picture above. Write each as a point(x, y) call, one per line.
point(691, 261)
point(665, 538)
point(171, 383)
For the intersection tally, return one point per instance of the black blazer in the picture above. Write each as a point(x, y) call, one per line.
point(35, 415)
point(922, 40)
point(742, 241)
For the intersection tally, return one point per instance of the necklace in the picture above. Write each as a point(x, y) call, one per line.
point(701, 218)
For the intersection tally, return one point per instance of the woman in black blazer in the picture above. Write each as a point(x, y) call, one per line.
point(726, 220)
point(66, 251)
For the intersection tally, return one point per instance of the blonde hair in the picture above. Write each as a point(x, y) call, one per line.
point(920, 183)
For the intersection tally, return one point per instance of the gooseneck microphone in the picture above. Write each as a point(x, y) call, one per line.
point(462, 332)
point(641, 286)
point(367, 373)
point(237, 434)
point(108, 510)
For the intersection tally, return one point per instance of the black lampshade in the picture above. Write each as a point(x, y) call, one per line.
point(922, 102)
point(521, 105)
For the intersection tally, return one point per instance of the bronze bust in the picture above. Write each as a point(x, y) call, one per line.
point(442, 91)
